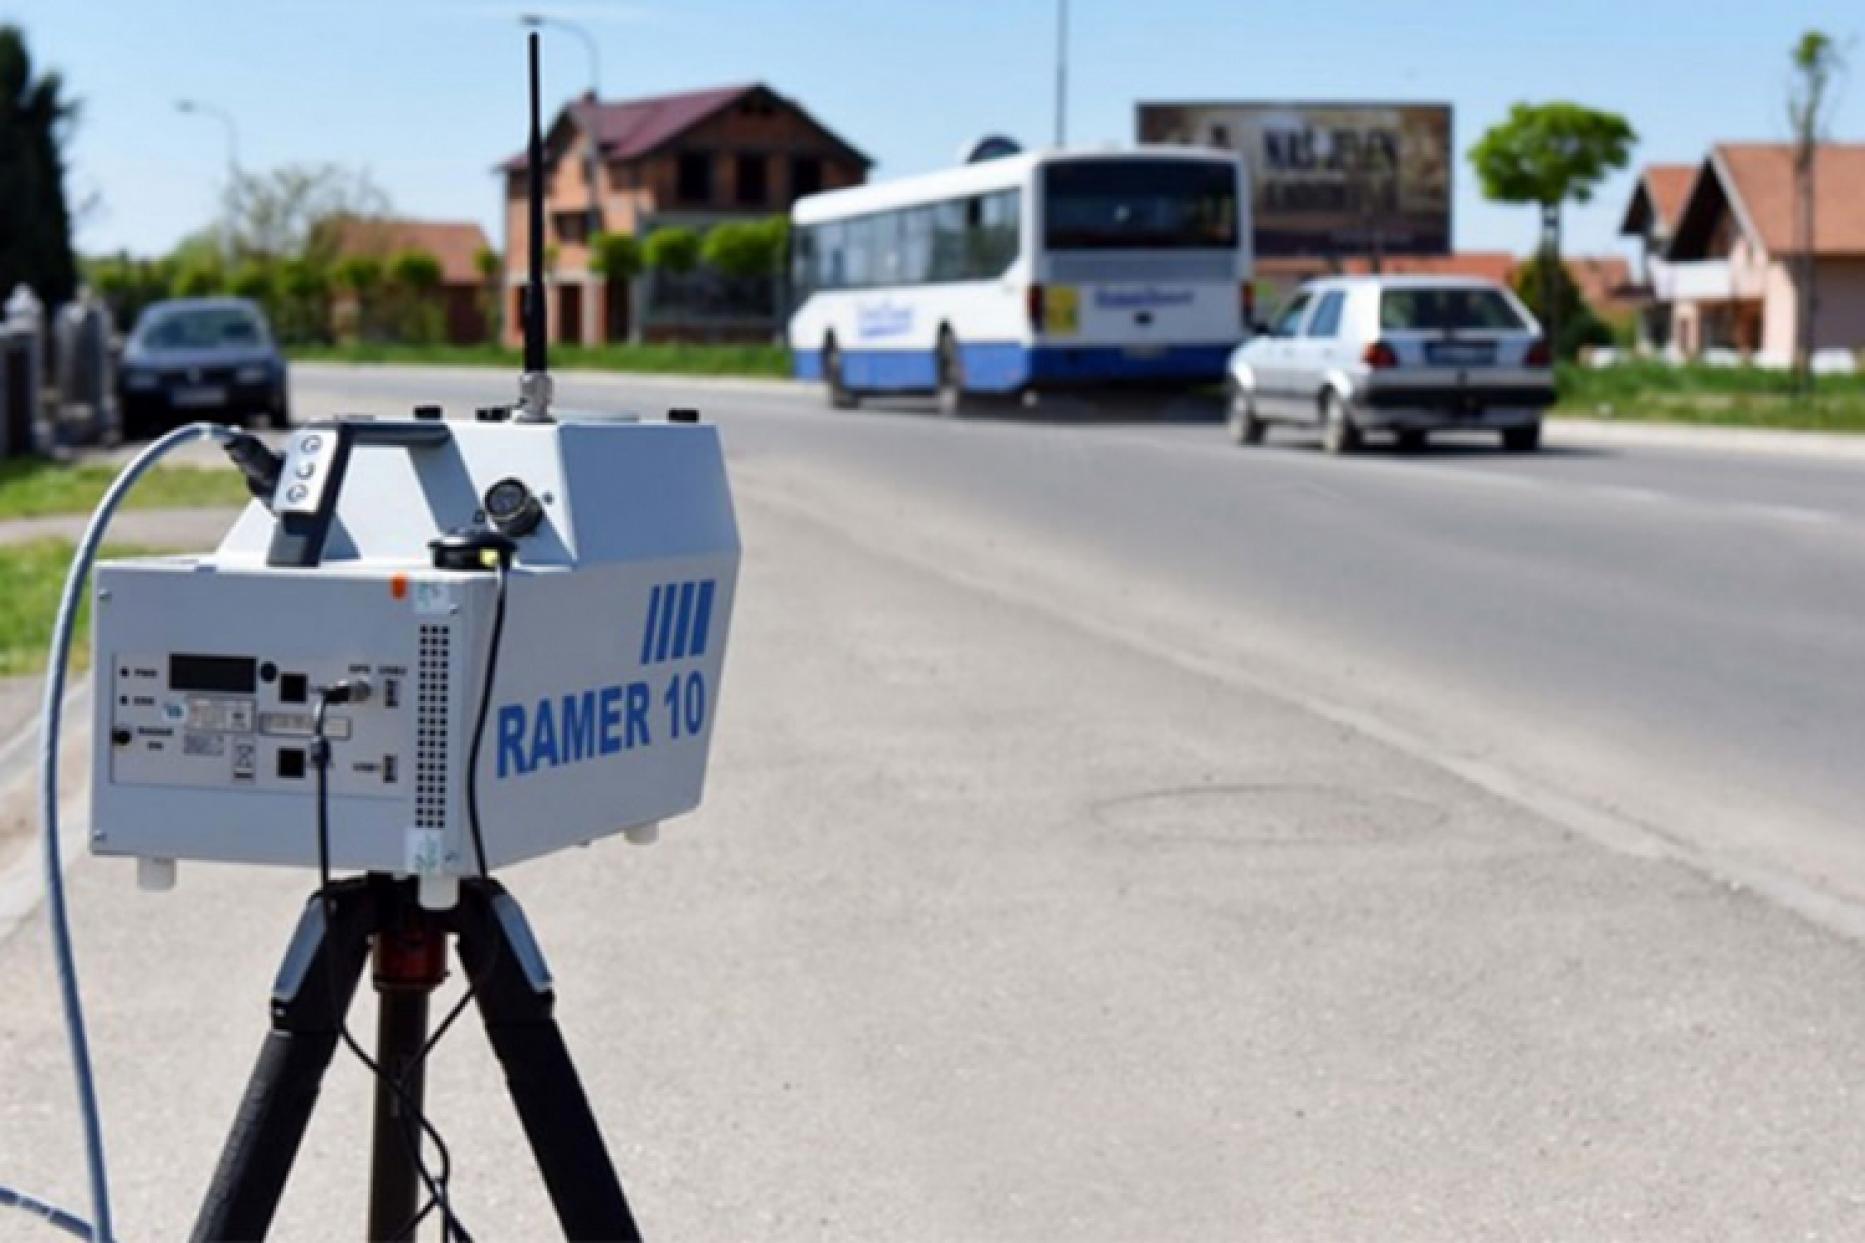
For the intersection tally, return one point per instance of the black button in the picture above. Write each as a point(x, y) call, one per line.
point(293, 688)
point(683, 414)
point(291, 762)
point(428, 413)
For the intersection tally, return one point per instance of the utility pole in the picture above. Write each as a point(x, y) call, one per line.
point(1061, 73)
point(194, 107)
point(1817, 61)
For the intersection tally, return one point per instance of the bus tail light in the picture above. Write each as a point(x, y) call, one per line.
point(1033, 302)
point(1380, 356)
point(1539, 355)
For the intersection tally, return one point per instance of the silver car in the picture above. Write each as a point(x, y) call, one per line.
point(1408, 355)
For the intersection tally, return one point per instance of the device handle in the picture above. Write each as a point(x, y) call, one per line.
point(316, 459)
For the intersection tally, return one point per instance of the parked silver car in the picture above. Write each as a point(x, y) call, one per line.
point(1408, 355)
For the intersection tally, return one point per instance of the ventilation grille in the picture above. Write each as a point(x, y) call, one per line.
point(430, 719)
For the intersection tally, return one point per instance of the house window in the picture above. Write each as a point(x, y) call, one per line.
point(571, 226)
point(751, 189)
point(695, 182)
point(805, 176)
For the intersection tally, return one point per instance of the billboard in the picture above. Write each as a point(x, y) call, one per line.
point(1329, 179)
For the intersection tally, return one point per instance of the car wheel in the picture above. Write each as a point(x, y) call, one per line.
point(951, 392)
point(1245, 427)
point(1338, 434)
point(1522, 439)
point(1411, 441)
point(841, 397)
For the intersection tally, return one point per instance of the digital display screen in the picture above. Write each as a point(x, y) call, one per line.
point(224, 675)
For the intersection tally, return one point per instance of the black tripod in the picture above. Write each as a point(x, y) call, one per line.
point(313, 991)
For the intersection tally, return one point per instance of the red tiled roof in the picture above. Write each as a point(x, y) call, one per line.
point(1667, 184)
point(1604, 281)
point(629, 128)
point(455, 243)
point(1763, 189)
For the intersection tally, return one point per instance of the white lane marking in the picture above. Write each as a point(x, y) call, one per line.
point(1635, 496)
point(1799, 515)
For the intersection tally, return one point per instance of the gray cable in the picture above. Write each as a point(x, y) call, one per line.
point(50, 717)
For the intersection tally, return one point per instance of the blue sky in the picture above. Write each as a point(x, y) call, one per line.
point(428, 94)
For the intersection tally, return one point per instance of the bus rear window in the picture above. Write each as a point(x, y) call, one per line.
point(1139, 205)
point(1448, 309)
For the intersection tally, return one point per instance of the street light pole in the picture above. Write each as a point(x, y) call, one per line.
point(1061, 73)
point(194, 107)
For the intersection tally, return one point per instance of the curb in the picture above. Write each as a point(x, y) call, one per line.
point(1757, 440)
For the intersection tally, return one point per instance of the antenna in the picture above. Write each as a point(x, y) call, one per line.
point(534, 386)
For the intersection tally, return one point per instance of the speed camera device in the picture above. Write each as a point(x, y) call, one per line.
point(376, 564)
point(380, 557)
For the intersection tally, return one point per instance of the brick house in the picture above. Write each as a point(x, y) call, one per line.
point(693, 159)
point(454, 244)
point(1724, 260)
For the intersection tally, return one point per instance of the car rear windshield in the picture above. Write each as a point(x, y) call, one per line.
point(1448, 309)
point(1139, 205)
point(204, 329)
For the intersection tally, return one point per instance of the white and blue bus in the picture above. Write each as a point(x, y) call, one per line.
point(1022, 273)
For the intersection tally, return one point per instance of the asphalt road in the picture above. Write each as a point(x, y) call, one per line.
point(1116, 834)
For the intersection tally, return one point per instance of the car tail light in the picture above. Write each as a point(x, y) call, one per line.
point(1246, 303)
point(1380, 356)
point(1538, 354)
point(1033, 302)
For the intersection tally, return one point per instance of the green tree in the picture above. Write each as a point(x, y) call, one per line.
point(253, 279)
point(616, 256)
point(1817, 64)
point(491, 269)
point(412, 278)
point(35, 224)
point(1547, 154)
point(673, 249)
point(299, 209)
point(301, 300)
point(747, 248)
point(127, 284)
point(1579, 324)
point(360, 276)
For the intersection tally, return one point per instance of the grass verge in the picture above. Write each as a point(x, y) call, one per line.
point(1712, 396)
point(31, 487)
point(34, 574)
point(764, 361)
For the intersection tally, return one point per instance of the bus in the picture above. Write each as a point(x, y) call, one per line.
point(1022, 273)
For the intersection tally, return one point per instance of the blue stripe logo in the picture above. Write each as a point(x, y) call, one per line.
point(679, 622)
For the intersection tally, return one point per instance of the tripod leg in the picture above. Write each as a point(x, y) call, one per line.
point(513, 990)
point(314, 987)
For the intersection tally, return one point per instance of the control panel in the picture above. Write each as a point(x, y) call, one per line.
point(220, 720)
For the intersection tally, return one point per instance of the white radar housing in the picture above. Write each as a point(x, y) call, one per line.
point(607, 684)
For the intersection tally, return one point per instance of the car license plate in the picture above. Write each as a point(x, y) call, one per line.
point(201, 395)
point(1460, 353)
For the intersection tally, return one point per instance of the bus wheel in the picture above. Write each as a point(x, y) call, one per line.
point(841, 397)
point(951, 377)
